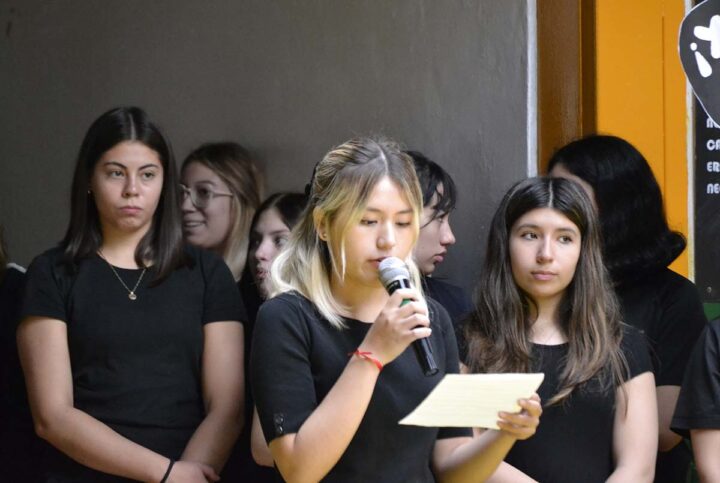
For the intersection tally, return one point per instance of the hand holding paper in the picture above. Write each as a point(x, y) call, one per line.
point(473, 400)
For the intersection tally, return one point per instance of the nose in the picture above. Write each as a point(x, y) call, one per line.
point(387, 237)
point(447, 237)
point(263, 251)
point(545, 251)
point(130, 186)
point(186, 205)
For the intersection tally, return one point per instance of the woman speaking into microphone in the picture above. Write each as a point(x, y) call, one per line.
point(331, 370)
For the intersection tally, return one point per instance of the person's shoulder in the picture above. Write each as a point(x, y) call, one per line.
point(713, 332)
point(290, 302)
point(670, 283)
point(52, 259)
point(453, 297)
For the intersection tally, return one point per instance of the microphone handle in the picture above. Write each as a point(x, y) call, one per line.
point(422, 347)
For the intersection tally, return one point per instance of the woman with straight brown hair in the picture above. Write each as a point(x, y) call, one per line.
point(544, 304)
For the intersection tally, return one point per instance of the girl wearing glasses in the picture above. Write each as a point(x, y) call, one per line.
point(332, 371)
point(130, 341)
point(221, 189)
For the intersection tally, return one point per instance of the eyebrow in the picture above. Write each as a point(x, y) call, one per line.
point(377, 210)
point(537, 227)
point(116, 163)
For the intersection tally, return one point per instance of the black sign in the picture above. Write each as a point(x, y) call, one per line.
point(699, 46)
point(707, 206)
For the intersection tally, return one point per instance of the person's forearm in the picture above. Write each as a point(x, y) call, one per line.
point(213, 440)
point(509, 474)
point(708, 469)
point(477, 459)
point(258, 446)
point(94, 444)
point(323, 438)
point(634, 473)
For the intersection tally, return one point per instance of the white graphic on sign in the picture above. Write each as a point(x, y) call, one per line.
point(711, 34)
point(703, 65)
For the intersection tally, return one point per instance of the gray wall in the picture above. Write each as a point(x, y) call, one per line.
point(289, 79)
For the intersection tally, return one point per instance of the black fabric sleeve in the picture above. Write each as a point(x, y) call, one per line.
point(222, 301)
point(683, 319)
point(698, 405)
point(45, 289)
point(635, 348)
point(439, 315)
point(280, 368)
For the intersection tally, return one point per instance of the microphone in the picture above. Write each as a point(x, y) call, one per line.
point(394, 275)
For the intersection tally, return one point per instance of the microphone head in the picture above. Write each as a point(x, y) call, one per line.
point(391, 269)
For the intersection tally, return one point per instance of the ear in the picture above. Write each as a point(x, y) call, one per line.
point(320, 224)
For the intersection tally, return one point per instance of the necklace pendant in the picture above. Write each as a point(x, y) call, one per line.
point(132, 296)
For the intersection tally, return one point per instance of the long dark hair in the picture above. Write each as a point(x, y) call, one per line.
point(626, 193)
point(162, 245)
point(499, 330)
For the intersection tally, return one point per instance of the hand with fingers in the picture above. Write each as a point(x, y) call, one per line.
point(192, 472)
point(523, 424)
point(397, 326)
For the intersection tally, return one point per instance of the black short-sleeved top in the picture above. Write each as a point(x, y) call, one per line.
point(136, 364)
point(666, 307)
point(698, 406)
point(298, 356)
point(574, 440)
point(455, 300)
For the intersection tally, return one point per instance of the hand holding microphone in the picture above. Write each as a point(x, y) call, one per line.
point(395, 276)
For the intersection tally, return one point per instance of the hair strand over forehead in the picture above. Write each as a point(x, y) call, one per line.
point(338, 194)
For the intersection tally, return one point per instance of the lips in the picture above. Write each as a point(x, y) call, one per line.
point(543, 275)
point(130, 210)
point(189, 224)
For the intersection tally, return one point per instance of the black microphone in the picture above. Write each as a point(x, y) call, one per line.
point(394, 275)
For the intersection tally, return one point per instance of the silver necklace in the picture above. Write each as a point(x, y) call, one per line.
point(131, 293)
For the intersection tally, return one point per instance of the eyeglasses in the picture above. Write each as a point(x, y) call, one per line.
point(200, 196)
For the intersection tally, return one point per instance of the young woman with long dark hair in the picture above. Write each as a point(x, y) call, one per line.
point(638, 246)
point(130, 341)
point(545, 304)
point(331, 368)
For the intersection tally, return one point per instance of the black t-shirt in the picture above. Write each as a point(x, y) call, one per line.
point(20, 448)
point(574, 440)
point(241, 466)
point(698, 406)
point(13, 399)
point(666, 307)
point(297, 358)
point(455, 300)
point(136, 364)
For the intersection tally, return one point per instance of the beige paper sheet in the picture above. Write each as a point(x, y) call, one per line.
point(473, 400)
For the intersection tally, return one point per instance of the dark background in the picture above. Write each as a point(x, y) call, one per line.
point(288, 79)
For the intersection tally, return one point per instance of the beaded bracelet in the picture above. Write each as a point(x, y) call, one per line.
point(367, 355)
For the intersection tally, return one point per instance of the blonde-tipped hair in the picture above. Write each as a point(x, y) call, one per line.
point(338, 194)
point(234, 165)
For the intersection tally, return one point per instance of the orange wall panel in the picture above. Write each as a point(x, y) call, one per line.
point(640, 92)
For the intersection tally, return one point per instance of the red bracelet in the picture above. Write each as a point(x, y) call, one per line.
point(367, 355)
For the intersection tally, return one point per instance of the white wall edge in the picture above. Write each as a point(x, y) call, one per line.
point(532, 81)
point(690, 160)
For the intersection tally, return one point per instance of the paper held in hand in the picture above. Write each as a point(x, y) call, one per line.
point(473, 400)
